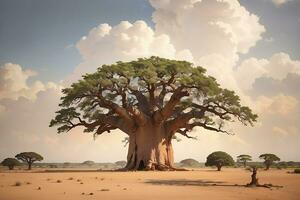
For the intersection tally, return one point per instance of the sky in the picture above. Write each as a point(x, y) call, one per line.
point(251, 47)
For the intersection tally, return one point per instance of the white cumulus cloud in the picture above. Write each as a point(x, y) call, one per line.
point(277, 67)
point(14, 83)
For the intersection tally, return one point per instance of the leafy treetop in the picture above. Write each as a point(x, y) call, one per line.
point(269, 157)
point(219, 158)
point(244, 157)
point(29, 157)
point(10, 162)
point(126, 95)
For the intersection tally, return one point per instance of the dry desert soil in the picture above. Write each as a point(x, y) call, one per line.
point(204, 183)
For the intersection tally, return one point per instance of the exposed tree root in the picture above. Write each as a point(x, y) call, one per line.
point(154, 167)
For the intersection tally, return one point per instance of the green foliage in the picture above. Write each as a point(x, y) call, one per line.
point(121, 163)
point(25, 156)
point(190, 163)
point(88, 162)
point(10, 162)
point(95, 98)
point(269, 159)
point(244, 159)
point(29, 158)
point(219, 158)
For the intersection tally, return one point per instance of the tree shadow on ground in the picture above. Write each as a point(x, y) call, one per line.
point(184, 182)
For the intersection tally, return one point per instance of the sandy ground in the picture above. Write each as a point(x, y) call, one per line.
point(205, 183)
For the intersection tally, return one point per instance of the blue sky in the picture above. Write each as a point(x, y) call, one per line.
point(41, 34)
point(282, 24)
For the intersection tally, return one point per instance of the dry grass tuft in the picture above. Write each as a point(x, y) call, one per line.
point(18, 183)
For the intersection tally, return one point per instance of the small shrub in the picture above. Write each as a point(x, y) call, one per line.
point(71, 178)
point(18, 183)
point(91, 193)
point(58, 181)
point(104, 190)
point(189, 163)
point(28, 183)
point(297, 171)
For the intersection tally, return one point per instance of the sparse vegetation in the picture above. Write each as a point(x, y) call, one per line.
point(88, 162)
point(244, 159)
point(121, 163)
point(297, 171)
point(189, 163)
point(29, 158)
point(219, 159)
point(18, 183)
point(10, 163)
point(58, 181)
point(269, 159)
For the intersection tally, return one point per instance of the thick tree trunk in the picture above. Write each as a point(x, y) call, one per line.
point(10, 167)
point(150, 148)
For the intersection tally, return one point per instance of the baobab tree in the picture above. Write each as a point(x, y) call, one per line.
point(269, 159)
point(244, 159)
point(150, 100)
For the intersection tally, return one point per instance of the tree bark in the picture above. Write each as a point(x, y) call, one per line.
point(254, 180)
point(150, 148)
point(29, 165)
point(219, 166)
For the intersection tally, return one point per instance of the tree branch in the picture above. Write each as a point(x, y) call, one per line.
point(184, 133)
point(166, 112)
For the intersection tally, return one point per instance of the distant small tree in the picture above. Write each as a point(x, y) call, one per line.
point(29, 158)
point(10, 163)
point(269, 159)
point(244, 158)
point(88, 162)
point(190, 162)
point(121, 163)
point(219, 159)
